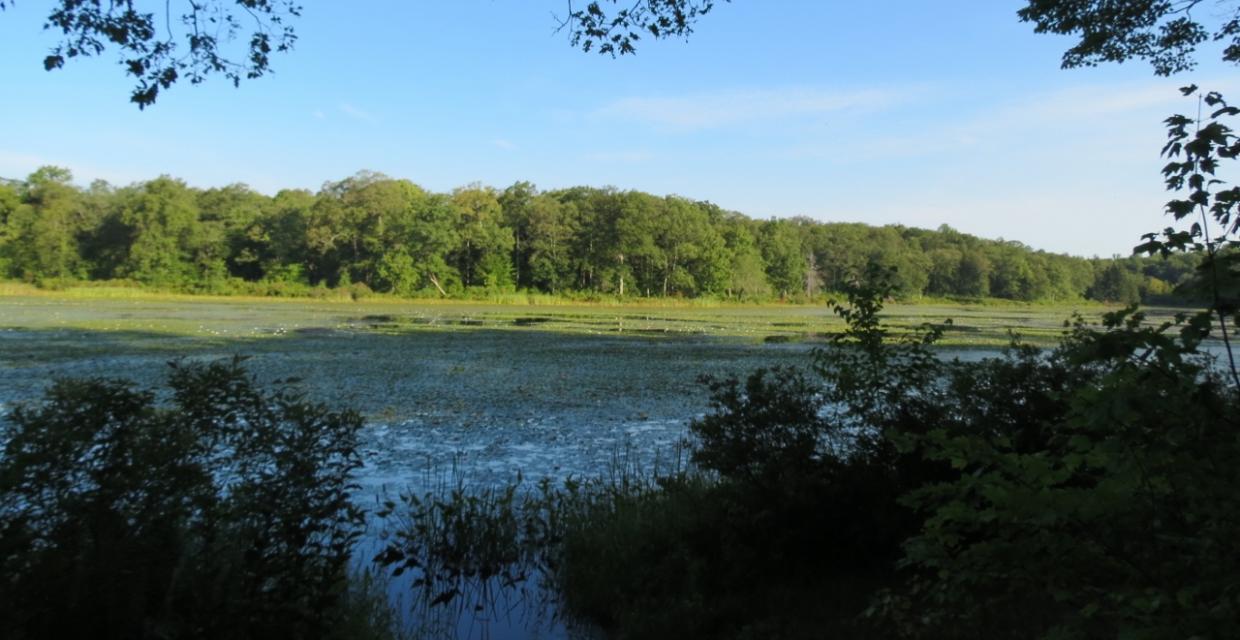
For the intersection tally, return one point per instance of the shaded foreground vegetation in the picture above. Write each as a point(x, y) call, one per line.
point(371, 233)
point(223, 511)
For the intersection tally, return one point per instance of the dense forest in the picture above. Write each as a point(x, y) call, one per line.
point(369, 232)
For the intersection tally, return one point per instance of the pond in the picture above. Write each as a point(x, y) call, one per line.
point(458, 401)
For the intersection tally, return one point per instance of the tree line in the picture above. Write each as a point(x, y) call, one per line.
point(370, 232)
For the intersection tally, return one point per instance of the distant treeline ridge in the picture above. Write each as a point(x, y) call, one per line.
point(372, 232)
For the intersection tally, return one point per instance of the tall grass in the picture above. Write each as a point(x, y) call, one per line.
point(657, 549)
point(510, 552)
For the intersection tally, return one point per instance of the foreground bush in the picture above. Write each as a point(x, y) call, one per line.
point(1113, 512)
point(217, 510)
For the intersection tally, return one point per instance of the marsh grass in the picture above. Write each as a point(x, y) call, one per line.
point(119, 307)
point(645, 549)
point(473, 555)
point(642, 550)
point(368, 613)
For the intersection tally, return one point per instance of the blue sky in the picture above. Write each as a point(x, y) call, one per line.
point(910, 112)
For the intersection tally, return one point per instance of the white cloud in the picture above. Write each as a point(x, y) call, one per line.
point(318, 114)
point(507, 145)
point(728, 108)
point(356, 113)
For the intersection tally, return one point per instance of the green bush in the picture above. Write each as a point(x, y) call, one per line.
point(214, 509)
point(1113, 513)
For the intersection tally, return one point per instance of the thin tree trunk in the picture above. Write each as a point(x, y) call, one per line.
point(435, 281)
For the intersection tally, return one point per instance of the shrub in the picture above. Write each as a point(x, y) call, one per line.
point(768, 428)
point(1112, 513)
point(222, 512)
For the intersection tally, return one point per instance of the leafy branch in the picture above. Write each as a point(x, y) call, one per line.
point(157, 57)
point(595, 28)
point(1196, 147)
point(1164, 32)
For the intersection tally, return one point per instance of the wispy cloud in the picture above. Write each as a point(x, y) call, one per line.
point(318, 114)
point(728, 108)
point(620, 157)
point(1084, 102)
point(506, 145)
point(1052, 120)
point(356, 113)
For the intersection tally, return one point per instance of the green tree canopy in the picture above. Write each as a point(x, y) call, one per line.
point(393, 236)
